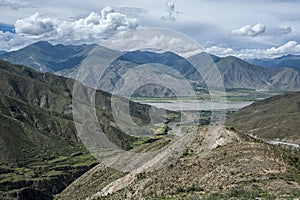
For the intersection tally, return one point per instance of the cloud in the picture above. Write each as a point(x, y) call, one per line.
point(291, 47)
point(156, 39)
point(35, 26)
point(281, 31)
point(13, 4)
point(10, 41)
point(86, 30)
point(259, 30)
point(221, 51)
point(172, 14)
point(130, 11)
point(249, 30)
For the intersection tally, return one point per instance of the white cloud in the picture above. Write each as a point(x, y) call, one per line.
point(281, 31)
point(13, 4)
point(131, 11)
point(10, 41)
point(249, 30)
point(155, 39)
point(35, 26)
point(172, 14)
point(291, 47)
point(259, 30)
point(91, 29)
point(220, 51)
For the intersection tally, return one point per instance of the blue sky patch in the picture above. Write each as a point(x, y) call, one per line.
point(7, 28)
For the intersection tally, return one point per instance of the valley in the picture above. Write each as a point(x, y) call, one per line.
point(149, 100)
point(66, 137)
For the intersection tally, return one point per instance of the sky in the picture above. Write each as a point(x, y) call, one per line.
point(242, 28)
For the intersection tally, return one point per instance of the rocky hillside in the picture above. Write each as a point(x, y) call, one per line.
point(275, 118)
point(219, 164)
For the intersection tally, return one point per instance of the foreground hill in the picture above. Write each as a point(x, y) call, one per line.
point(275, 118)
point(41, 152)
point(219, 164)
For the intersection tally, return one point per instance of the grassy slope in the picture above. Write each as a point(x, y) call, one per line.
point(38, 135)
point(36, 145)
point(274, 118)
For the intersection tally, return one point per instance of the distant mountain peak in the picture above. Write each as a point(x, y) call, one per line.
point(46, 57)
point(43, 44)
point(205, 54)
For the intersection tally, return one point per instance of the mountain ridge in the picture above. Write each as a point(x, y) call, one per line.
point(286, 61)
point(45, 57)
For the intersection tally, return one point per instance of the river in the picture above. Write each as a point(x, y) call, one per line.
point(177, 105)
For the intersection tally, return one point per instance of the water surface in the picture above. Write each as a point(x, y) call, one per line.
point(177, 105)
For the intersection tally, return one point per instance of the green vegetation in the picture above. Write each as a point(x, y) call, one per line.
point(140, 141)
point(143, 140)
point(240, 94)
point(232, 94)
point(241, 194)
point(162, 198)
point(50, 172)
point(162, 129)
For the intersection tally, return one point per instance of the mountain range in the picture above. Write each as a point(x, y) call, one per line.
point(288, 61)
point(89, 60)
